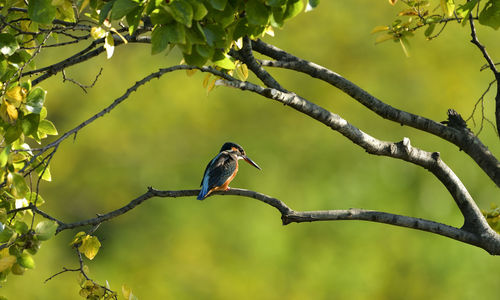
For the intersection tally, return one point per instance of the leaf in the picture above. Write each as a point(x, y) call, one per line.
point(182, 12)
point(45, 230)
point(257, 12)
point(7, 262)
point(448, 7)
point(12, 133)
point(9, 113)
point(133, 19)
point(311, 4)
point(463, 11)
point(490, 15)
point(47, 127)
point(122, 8)
point(242, 71)
point(4, 156)
point(35, 99)
point(19, 186)
point(20, 227)
point(78, 238)
point(393, 2)
point(293, 8)
point(109, 45)
point(379, 29)
point(214, 34)
point(8, 44)
point(195, 58)
point(90, 246)
point(41, 11)
point(26, 260)
point(383, 38)
point(223, 61)
point(105, 11)
point(159, 40)
point(218, 4)
point(29, 124)
point(97, 33)
point(405, 45)
point(199, 10)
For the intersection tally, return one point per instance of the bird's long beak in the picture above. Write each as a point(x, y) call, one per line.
point(248, 160)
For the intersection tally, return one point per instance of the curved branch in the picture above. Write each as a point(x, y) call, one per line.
point(464, 139)
point(289, 215)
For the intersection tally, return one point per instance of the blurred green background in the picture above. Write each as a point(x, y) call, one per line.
point(228, 247)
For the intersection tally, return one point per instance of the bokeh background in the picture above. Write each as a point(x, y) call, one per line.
point(228, 247)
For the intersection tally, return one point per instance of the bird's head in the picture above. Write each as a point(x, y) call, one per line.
point(240, 153)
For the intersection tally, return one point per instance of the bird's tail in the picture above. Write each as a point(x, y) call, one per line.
point(203, 193)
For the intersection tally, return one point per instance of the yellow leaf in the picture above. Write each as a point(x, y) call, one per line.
point(448, 7)
point(12, 112)
point(126, 291)
point(57, 2)
point(379, 28)
point(84, 4)
point(8, 112)
point(78, 238)
point(191, 72)
point(7, 262)
point(205, 81)
point(90, 246)
point(16, 95)
point(392, 2)
point(242, 71)
point(383, 38)
point(404, 45)
point(121, 36)
point(211, 85)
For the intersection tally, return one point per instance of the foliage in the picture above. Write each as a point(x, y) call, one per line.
point(204, 31)
point(428, 15)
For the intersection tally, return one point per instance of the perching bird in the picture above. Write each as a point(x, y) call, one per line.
point(222, 169)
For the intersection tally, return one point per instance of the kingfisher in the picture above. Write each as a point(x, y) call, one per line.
point(222, 169)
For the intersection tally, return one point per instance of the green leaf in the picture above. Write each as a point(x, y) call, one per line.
point(312, 4)
point(194, 58)
point(215, 35)
point(47, 127)
point(133, 19)
point(41, 11)
point(90, 246)
point(490, 15)
point(159, 40)
point(26, 260)
point(12, 133)
point(4, 156)
point(5, 234)
point(199, 10)
point(121, 8)
point(222, 60)
point(175, 33)
point(275, 3)
point(45, 230)
point(29, 124)
point(182, 12)
point(218, 4)
point(257, 12)
point(161, 16)
point(204, 50)
point(8, 46)
point(35, 99)
point(225, 17)
point(293, 8)
point(103, 15)
point(463, 11)
point(19, 186)
point(20, 227)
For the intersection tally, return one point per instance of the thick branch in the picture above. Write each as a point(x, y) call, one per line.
point(473, 219)
point(464, 139)
point(289, 215)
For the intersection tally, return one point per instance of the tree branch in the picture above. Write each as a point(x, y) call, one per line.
point(491, 65)
point(289, 215)
point(464, 139)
